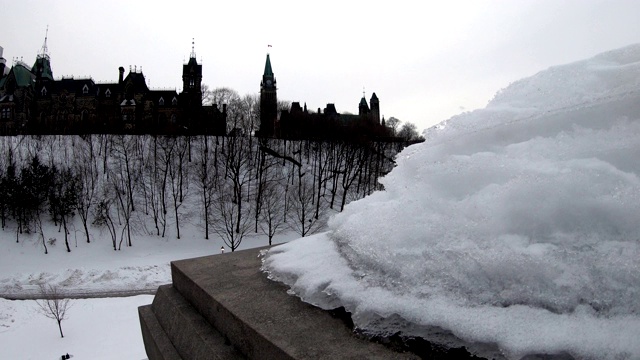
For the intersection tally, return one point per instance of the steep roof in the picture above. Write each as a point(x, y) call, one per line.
point(137, 80)
point(43, 60)
point(76, 86)
point(23, 76)
point(267, 67)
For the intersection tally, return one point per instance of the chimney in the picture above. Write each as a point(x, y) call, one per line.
point(3, 63)
point(121, 75)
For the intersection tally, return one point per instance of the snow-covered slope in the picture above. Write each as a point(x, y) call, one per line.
point(517, 224)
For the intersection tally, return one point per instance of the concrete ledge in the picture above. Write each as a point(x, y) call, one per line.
point(258, 316)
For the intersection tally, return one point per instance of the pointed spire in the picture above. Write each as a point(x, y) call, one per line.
point(44, 52)
point(267, 67)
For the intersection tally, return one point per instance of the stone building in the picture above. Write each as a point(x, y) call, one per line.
point(33, 102)
point(300, 123)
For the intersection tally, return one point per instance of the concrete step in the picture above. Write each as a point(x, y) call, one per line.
point(258, 316)
point(180, 326)
point(156, 343)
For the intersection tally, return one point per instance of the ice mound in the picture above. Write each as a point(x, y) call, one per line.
point(517, 224)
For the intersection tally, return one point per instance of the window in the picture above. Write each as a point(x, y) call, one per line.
point(174, 102)
point(192, 83)
point(43, 91)
point(161, 101)
point(84, 116)
point(6, 114)
point(85, 89)
point(107, 93)
point(174, 118)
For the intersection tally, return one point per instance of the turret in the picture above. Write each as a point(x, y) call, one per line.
point(42, 67)
point(120, 75)
point(375, 109)
point(363, 108)
point(268, 101)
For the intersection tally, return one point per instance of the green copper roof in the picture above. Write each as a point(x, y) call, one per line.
point(267, 67)
point(24, 77)
point(44, 61)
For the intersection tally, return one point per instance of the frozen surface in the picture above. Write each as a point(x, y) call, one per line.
point(517, 224)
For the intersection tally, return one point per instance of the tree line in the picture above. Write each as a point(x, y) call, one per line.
point(230, 186)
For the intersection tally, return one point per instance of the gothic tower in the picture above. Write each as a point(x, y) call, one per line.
point(191, 97)
point(375, 109)
point(268, 102)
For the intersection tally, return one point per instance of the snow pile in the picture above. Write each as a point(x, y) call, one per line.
point(517, 224)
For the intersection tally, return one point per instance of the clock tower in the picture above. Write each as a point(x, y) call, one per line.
point(268, 102)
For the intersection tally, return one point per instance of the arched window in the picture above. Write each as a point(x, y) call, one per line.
point(107, 93)
point(43, 91)
point(174, 118)
point(85, 89)
point(174, 102)
point(84, 116)
point(161, 101)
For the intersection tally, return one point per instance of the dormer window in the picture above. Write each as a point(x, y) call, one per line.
point(174, 102)
point(43, 91)
point(161, 101)
point(107, 93)
point(85, 89)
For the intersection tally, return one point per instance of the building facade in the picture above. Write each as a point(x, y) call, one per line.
point(33, 102)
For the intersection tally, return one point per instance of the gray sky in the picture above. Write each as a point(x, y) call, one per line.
point(426, 60)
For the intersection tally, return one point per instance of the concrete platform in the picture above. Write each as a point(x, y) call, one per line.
point(223, 307)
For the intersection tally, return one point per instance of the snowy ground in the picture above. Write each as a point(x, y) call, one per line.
point(106, 328)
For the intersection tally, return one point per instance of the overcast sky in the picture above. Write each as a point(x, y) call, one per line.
point(425, 60)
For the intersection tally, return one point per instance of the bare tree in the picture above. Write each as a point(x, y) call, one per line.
point(53, 304)
point(63, 198)
point(393, 124)
point(103, 217)
point(409, 132)
point(225, 95)
point(272, 209)
point(207, 96)
point(301, 199)
point(250, 120)
point(178, 175)
point(207, 176)
point(85, 165)
point(232, 213)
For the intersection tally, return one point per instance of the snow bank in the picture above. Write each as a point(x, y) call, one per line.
point(517, 224)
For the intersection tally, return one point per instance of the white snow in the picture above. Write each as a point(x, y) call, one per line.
point(517, 224)
point(95, 329)
point(106, 328)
